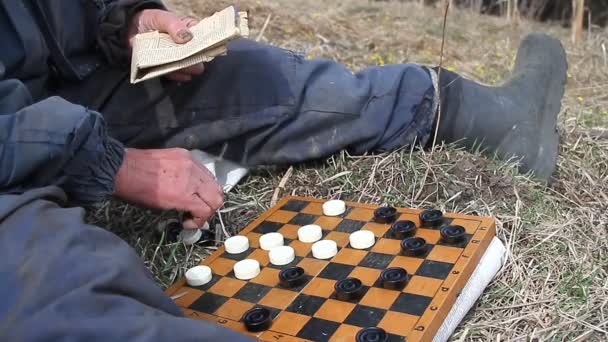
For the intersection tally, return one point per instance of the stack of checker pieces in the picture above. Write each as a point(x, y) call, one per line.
point(312, 311)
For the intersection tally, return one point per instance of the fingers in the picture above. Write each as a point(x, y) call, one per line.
point(198, 211)
point(179, 77)
point(177, 27)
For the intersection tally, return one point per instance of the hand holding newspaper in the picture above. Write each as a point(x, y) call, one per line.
point(155, 54)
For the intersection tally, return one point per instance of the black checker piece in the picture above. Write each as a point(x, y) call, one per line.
point(411, 304)
point(365, 316)
point(208, 302)
point(376, 260)
point(214, 279)
point(306, 305)
point(268, 227)
point(349, 226)
point(303, 219)
point(434, 269)
point(252, 292)
point(336, 271)
point(294, 205)
point(318, 330)
point(238, 256)
point(274, 312)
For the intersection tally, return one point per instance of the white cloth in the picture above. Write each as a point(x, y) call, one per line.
point(491, 262)
point(227, 173)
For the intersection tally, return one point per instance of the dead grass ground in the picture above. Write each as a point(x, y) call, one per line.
point(555, 286)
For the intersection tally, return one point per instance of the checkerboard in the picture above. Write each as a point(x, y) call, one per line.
point(311, 312)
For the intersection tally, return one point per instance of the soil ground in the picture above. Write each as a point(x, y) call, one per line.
point(555, 284)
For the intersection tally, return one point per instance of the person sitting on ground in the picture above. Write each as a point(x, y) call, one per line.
point(75, 132)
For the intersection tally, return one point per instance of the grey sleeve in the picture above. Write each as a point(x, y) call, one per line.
point(54, 142)
point(114, 20)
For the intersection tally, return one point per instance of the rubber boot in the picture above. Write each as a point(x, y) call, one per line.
point(516, 120)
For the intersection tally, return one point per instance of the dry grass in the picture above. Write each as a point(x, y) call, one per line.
point(555, 286)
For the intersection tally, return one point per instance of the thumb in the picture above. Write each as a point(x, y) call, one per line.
point(171, 24)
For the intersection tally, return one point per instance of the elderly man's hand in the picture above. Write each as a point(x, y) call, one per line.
point(169, 179)
point(167, 22)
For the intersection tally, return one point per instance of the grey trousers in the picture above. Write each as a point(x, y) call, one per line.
point(265, 105)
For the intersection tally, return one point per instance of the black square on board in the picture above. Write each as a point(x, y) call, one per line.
point(336, 271)
point(214, 279)
point(291, 264)
point(318, 330)
point(208, 302)
point(238, 256)
point(349, 226)
point(294, 205)
point(303, 219)
point(252, 292)
point(365, 316)
point(434, 269)
point(395, 338)
point(306, 305)
point(268, 227)
point(376, 260)
point(411, 304)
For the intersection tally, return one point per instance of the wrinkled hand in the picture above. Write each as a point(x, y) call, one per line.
point(169, 179)
point(167, 22)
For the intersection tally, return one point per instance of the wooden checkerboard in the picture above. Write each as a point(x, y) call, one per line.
point(311, 312)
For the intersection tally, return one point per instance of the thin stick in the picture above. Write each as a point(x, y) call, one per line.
point(261, 34)
point(277, 191)
point(445, 20)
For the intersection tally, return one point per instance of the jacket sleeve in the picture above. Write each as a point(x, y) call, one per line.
point(54, 142)
point(114, 20)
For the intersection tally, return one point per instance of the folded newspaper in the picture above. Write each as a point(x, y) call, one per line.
point(155, 54)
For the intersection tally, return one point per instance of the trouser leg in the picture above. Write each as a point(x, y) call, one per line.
point(65, 280)
point(265, 105)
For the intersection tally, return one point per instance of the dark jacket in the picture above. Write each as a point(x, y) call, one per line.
point(46, 140)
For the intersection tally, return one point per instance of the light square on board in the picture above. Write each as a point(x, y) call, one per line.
point(233, 309)
point(289, 323)
point(398, 323)
point(470, 226)
point(289, 231)
point(281, 216)
point(278, 298)
point(368, 276)
point(423, 286)
point(222, 266)
point(445, 254)
point(430, 235)
point(349, 256)
point(328, 222)
point(312, 266)
point(340, 238)
point(227, 286)
point(334, 310)
point(268, 276)
point(320, 287)
point(410, 264)
point(345, 333)
point(379, 229)
point(361, 214)
point(314, 208)
point(387, 246)
point(189, 297)
point(379, 298)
